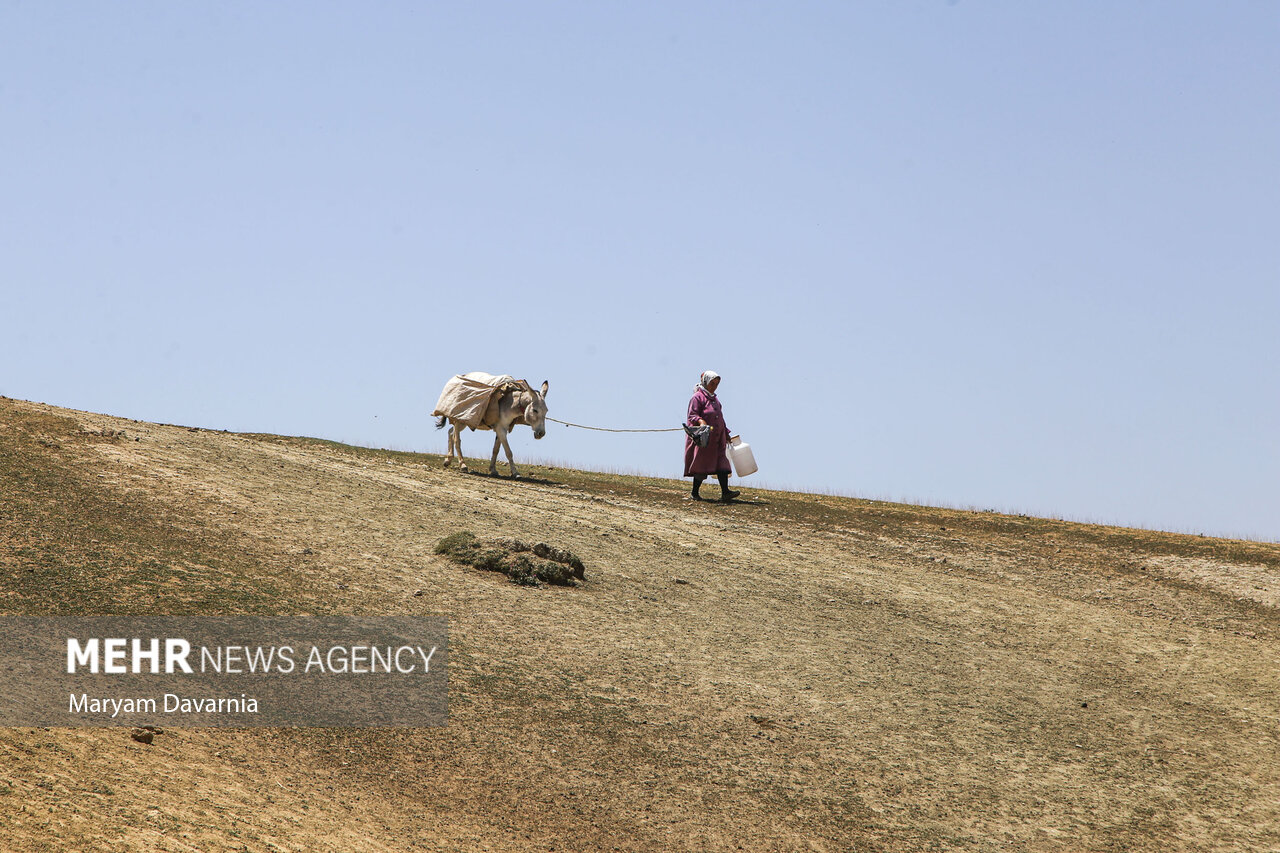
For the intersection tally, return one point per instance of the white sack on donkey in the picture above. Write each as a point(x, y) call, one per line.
point(484, 401)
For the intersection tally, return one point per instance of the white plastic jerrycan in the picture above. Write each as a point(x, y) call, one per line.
point(741, 457)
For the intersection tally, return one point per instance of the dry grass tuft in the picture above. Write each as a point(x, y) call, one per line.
point(525, 564)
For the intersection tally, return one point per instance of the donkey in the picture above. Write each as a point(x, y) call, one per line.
point(509, 408)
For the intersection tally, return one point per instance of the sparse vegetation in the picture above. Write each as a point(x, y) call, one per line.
point(790, 672)
point(525, 564)
point(67, 543)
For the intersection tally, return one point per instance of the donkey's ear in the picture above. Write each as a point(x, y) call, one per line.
point(545, 386)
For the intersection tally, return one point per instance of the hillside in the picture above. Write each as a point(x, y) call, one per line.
point(793, 672)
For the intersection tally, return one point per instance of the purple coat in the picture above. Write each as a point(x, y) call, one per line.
point(711, 459)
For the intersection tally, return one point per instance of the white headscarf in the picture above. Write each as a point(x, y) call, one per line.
point(708, 376)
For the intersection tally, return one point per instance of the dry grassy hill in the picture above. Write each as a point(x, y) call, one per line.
point(789, 673)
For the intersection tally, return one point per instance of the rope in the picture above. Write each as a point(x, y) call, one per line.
point(606, 429)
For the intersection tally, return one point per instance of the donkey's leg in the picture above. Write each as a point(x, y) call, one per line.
point(457, 440)
point(511, 463)
point(449, 439)
point(499, 438)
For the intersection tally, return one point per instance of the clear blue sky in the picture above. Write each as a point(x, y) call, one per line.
point(1014, 255)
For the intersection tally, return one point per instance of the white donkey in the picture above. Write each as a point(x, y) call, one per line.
point(515, 404)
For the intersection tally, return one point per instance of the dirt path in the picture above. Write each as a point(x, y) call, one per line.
point(791, 673)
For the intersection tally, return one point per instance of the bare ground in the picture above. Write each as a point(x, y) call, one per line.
point(792, 672)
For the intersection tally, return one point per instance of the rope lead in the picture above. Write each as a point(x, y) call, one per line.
point(606, 429)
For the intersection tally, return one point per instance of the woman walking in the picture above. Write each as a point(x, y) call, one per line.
point(699, 461)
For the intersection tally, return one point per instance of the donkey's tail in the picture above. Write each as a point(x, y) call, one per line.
point(441, 421)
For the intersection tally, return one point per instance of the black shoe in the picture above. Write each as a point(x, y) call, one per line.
point(729, 495)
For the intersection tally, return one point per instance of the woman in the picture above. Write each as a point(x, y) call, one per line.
point(704, 409)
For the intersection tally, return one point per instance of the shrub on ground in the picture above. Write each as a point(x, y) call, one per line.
point(525, 564)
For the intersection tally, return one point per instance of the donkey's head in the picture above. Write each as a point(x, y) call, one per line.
point(535, 414)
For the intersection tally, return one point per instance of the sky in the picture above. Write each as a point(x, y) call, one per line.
point(999, 255)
